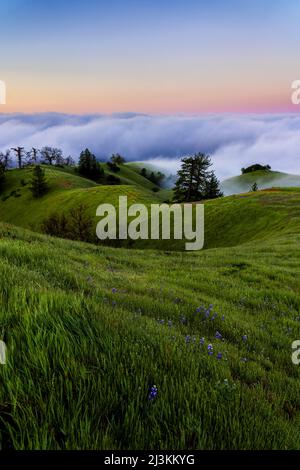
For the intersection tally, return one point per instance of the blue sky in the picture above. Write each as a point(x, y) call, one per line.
point(149, 56)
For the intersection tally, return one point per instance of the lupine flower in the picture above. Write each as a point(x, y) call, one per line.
point(161, 322)
point(210, 349)
point(218, 335)
point(219, 356)
point(214, 316)
point(153, 392)
point(202, 340)
point(114, 290)
point(244, 338)
point(223, 317)
point(187, 339)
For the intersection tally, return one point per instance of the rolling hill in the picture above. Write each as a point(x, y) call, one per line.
point(228, 221)
point(90, 328)
point(264, 179)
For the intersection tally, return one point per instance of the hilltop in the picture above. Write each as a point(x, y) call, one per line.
point(263, 178)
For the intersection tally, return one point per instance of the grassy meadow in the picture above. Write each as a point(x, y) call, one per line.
point(90, 328)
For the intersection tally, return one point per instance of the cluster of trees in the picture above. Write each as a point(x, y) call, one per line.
point(255, 167)
point(90, 168)
point(155, 177)
point(195, 180)
point(18, 156)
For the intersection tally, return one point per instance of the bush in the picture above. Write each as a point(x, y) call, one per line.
point(76, 225)
point(256, 167)
point(112, 179)
point(113, 167)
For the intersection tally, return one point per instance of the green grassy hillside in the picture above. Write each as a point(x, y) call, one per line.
point(88, 330)
point(264, 179)
point(18, 206)
point(228, 221)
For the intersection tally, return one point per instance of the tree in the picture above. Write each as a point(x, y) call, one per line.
point(19, 151)
point(80, 223)
point(144, 172)
point(5, 159)
point(213, 190)
point(39, 185)
point(32, 156)
point(113, 167)
point(255, 167)
point(69, 161)
point(154, 177)
point(51, 155)
point(2, 175)
point(88, 166)
point(192, 178)
point(254, 187)
point(117, 159)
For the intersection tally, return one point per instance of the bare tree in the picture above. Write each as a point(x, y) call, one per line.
point(51, 155)
point(32, 156)
point(19, 151)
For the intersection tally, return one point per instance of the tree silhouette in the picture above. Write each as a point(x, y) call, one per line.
point(19, 151)
point(192, 178)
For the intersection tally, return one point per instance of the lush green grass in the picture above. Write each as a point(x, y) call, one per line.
point(81, 355)
point(89, 328)
point(228, 221)
point(264, 179)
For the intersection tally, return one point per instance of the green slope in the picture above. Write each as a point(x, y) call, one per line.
point(264, 179)
point(228, 221)
point(88, 329)
point(18, 206)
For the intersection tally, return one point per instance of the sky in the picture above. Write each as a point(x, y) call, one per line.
point(154, 57)
point(153, 79)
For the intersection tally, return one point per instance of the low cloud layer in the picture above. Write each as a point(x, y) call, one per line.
point(233, 140)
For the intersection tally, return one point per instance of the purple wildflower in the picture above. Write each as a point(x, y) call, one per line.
point(244, 338)
point(153, 392)
point(219, 356)
point(202, 340)
point(114, 290)
point(210, 349)
point(218, 335)
point(187, 339)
